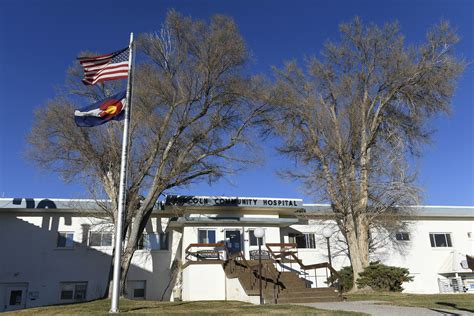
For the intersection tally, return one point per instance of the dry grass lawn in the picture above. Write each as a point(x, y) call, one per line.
point(101, 307)
point(461, 302)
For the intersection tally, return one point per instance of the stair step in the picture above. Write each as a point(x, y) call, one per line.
point(309, 299)
point(315, 290)
point(291, 288)
point(310, 290)
point(307, 294)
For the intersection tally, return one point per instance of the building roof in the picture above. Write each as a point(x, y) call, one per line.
point(174, 204)
point(419, 211)
point(40, 204)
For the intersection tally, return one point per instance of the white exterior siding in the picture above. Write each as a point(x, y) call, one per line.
point(423, 261)
point(30, 256)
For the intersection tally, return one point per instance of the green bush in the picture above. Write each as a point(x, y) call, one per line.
point(377, 276)
point(384, 278)
point(346, 280)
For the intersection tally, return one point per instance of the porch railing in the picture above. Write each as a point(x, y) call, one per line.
point(270, 277)
point(236, 262)
point(203, 252)
point(287, 253)
point(282, 255)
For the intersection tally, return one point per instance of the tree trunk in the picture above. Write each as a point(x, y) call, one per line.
point(358, 243)
point(135, 230)
point(108, 286)
point(126, 261)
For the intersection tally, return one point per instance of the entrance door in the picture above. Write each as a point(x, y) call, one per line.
point(16, 298)
point(233, 240)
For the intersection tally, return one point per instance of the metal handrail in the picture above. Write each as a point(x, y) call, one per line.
point(286, 252)
point(188, 252)
point(277, 285)
point(254, 272)
point(204, 245)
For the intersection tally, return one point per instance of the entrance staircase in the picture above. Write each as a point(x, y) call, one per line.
point(279, 287)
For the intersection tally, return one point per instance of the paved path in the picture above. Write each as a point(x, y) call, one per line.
point(379, 308)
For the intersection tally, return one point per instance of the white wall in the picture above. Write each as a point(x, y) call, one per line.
point(204, 282)
point(422, 261)
point(29, 255)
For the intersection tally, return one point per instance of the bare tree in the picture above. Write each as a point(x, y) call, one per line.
point(193, 109)
point(355, 117)
point(381, 239)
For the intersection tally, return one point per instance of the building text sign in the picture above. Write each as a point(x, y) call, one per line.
point(192, 200)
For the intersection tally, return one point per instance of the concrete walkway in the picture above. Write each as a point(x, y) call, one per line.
point(379, 308)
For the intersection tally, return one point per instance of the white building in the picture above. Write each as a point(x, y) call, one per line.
point(59, 251)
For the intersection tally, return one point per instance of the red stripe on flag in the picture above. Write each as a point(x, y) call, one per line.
point(122, 72)
point(89, 82)
point(100, 71)
point(97, 63)
point(111, 66)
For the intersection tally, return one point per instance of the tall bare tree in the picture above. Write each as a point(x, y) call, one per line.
point(356, 115)
point(193, 109)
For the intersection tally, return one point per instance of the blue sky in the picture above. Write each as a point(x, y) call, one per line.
point(40, 39)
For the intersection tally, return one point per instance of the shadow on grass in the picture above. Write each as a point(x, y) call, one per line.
point(158, 306)
point(444, 312)
point(452, 305)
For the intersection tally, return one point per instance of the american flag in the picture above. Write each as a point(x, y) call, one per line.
point(106, 67)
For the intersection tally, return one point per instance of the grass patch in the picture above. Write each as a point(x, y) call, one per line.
point(101, 307)
point(462, 302)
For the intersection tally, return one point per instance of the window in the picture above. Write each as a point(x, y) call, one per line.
point(100, 239)
point(303, 240)
point(402, 236)
point(15, 297)
point(252, 239)
point(440, 240)
point(136, 290)
point(73, 290)
point(154, 241)
point(207, 236)
point(65, 240)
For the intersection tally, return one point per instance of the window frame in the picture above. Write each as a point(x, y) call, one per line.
point(163, 245)
point(251, 232)
point(74, 291)
point(447, 238)
point(58, 237)
point(207, 235)
point(309, 240)
point(101, 239)
point(402, 238)
point(131, 289)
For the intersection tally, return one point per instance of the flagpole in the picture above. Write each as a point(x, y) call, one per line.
point(114, 308)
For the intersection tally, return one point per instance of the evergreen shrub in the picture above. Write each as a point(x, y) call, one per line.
point(377, 276)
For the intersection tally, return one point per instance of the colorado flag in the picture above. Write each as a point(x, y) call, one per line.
point(101, 112)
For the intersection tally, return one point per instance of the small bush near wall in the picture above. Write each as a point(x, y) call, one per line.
point(377, 276)
point(346, 280)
